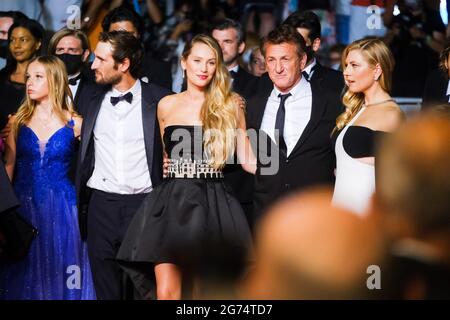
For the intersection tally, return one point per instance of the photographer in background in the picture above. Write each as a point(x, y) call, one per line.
point(415, 40)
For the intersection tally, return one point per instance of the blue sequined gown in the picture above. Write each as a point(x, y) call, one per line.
point(57, 266)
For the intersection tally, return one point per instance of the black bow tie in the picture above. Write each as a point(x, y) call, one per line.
point(73, 81)
point(127, 97)
point(233, 74)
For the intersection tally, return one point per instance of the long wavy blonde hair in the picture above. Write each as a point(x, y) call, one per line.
point(59, 92)
point(219, 111)
point(375, 52)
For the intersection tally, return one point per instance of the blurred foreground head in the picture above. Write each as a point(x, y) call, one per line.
point(306, 249)
point(413, 177)
point(413, 185)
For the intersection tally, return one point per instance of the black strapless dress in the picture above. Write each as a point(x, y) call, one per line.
point(188, 211)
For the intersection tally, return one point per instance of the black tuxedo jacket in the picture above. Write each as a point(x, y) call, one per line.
point(311, 162)
point(151, 94)
point(330, 79)
point(86, 88)
point(435, 89)
point(245, 83)
point(156, 71)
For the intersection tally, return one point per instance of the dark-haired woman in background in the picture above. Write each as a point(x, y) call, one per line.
point(24, 43)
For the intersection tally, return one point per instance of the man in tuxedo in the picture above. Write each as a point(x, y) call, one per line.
point(120, 158)
point(230, 36)
point(152, 69)
point(72, 47)
point(294, 120)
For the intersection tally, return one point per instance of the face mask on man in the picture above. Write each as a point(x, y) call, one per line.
point(3, 48)
point(73, 62)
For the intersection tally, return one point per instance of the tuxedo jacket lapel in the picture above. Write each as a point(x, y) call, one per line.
point(77, 94)
point(89, 121)
point(149, 107)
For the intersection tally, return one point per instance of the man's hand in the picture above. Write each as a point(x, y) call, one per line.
point(240, 101)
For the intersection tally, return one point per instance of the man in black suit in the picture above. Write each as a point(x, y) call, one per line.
point(294, 120)
point(152, 70)
point(120, 158)
point(230, 36)
point(72, 47)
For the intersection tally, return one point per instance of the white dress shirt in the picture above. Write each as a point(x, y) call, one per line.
point(235, 68)
point(297, 115)
point(120, 158)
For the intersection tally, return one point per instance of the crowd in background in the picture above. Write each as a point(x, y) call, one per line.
point(414, 30)
point(350, 61)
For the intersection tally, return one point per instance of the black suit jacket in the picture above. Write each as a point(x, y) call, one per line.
point(156, 71)
point(330, 79)
point(245, 83)
point(151, 94)
point(86, 88)
point(435, 89)
point(311, 162)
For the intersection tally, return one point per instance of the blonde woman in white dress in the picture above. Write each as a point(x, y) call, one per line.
point(370, 113)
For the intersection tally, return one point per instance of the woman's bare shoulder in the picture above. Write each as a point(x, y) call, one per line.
point(168, 101)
